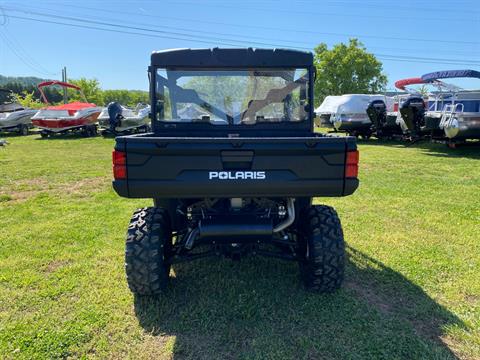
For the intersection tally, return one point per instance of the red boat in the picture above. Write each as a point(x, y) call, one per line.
point(74, 116)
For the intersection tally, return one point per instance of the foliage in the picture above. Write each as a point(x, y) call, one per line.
point(27, 100)
point(126, 97)
point(423, 90)
point(90, 88)
point(52, 93)
point(347, 69)
point(22, 80)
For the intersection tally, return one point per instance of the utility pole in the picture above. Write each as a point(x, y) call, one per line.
point(64, 79)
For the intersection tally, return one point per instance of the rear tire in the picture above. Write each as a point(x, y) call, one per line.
point(148, 248)
point(322, 250)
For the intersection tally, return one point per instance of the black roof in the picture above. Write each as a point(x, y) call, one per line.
point(244, 57)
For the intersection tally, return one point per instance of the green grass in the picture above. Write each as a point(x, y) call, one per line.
point(412, 286)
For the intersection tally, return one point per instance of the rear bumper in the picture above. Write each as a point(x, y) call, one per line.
point(175, 189)
point(169, 168)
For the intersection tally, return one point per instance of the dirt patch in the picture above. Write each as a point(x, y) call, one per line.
point(86, 185)
point(54, 265)
point(159, 347)
point(472, 299)
point(25, 189)
point(370, 296)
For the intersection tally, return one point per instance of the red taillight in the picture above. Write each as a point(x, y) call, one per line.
point(351, 166)
point(119, 159)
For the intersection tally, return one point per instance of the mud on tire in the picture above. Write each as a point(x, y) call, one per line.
point(322, 249)
point(148, 246)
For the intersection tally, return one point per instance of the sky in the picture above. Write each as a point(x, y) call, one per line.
point(112, 40)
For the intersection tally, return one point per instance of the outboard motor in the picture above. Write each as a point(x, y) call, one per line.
point(413, 115)
point(377, 112)
point(115, 115)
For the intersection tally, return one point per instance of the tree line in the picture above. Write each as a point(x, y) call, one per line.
point(28, 95)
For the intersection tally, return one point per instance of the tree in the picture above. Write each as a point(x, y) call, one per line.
point(126, 97)
point(423, 90)
point(91, 89)
point(27, 100)
point(347, 69)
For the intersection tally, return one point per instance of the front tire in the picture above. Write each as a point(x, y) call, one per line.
point(148, 247)
point(322, 250)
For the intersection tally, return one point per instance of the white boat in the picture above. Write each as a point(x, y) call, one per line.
point(457, 112)
point(14, 117)
point(116, 118)
point(348, 112)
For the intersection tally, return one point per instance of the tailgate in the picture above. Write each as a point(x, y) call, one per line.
point(159, 167)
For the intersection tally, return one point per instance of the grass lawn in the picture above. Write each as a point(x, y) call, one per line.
point(412, 286)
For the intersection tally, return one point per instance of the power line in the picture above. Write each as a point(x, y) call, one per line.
point(416, 39)
point(17, 49)
point(25, 60)
point(219, 41)
point(24, 55)
point(137, 28)
point(158, 26)
point(113, 30)
point(216, 39)
point(301, 12)
point(363, 4)
point(245, 38)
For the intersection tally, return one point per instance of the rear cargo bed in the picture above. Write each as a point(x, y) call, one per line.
point(186, 167)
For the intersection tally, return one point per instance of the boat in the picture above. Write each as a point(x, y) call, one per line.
point(77, 116)
point(118, 119)
point(458, 111)
point(14, 117)
point(348, 112)
point(323, 114)
point(420, 114)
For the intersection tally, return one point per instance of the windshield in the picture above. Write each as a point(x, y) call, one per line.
point(231, 97)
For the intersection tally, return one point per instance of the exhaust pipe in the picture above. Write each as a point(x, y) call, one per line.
point(235, 229)
point(239, 228)
point(290, 216)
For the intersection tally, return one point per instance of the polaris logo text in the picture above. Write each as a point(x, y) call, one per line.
point(237, 175)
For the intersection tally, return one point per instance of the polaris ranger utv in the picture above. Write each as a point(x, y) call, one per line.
point(232, 165)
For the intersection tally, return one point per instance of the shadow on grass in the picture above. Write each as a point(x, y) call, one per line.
point(469, 150)
point(257, 308)
point(65, 136)
point(61, 136)
point(14, 134)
